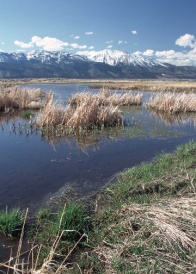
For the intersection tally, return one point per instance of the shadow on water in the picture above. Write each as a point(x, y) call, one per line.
point(36, 163)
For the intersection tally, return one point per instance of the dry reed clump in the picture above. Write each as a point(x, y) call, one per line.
point(86, 114)
point(22, 98)
point(158, 238)
point(105, 97)
point(173, 102)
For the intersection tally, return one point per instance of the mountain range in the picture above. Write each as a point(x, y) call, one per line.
point(106, 64)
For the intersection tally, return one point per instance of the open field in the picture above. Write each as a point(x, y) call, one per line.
point(144, 222)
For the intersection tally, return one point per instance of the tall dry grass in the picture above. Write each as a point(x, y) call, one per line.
point(84, 111)
point(12, 98)
point(173, 102)
point(105, 97)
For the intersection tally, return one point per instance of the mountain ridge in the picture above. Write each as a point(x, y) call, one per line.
point(103, 64)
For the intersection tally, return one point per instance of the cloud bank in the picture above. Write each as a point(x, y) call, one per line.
point(185, 57)
point(48, 43)
point(179, 58)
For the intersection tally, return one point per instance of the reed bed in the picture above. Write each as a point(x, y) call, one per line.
point(173, 102)
point(13, 98)
point(105, 97)
point(82, 114)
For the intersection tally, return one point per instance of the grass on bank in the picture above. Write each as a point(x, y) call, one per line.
point(143, 223)
point(173, 102)
point(11, 221)
point(146, 222)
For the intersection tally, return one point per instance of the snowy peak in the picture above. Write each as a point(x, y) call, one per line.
point(116, 57)
point(54, 56)
point(107, 56)
point(42, 56)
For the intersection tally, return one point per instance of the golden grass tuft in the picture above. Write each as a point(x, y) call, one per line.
point(105, 97)
point(12, 98)
point(173, 102)
point(84, 111)
point(155, 237)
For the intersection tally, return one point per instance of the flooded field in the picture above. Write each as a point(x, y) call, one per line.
point(37, 166)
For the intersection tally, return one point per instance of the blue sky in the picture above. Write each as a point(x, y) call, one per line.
point(161, 29)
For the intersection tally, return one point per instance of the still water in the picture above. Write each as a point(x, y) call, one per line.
point(34, 166)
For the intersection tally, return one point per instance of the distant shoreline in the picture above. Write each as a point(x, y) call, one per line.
point(123, 84)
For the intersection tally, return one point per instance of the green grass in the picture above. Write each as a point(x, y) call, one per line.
point(68, 224)
point(143, 223)
point(26, 114)
point(11, 222)
point(165, 176)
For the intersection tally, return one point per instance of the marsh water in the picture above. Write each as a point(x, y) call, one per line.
point(37, 166)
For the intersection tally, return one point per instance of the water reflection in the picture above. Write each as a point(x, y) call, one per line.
point(138, 124)
point(177, 119)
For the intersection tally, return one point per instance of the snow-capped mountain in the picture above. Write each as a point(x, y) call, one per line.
point(116, 57)
point(41, 56)
point(87, 65)
point(110, 57)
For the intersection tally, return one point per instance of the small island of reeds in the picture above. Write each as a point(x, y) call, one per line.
point(88, 111)
point(173, 102)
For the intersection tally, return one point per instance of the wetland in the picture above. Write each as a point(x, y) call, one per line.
point(37, 165)
point(100, 176)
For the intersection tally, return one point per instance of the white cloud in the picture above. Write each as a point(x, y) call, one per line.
point(109, 42)
point(48, 43)
point(177, 58)
point(122, 42)
point(76, 46)
point(77, 37)
point(137, 53)
point(91, 47)
point(134, 32)
point(89, 32)
point(109, 47)
point(23, 45)
point(148, 52)
point(186, 40)
point(165, 53)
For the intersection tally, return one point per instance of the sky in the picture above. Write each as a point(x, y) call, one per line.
point(159, 29)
